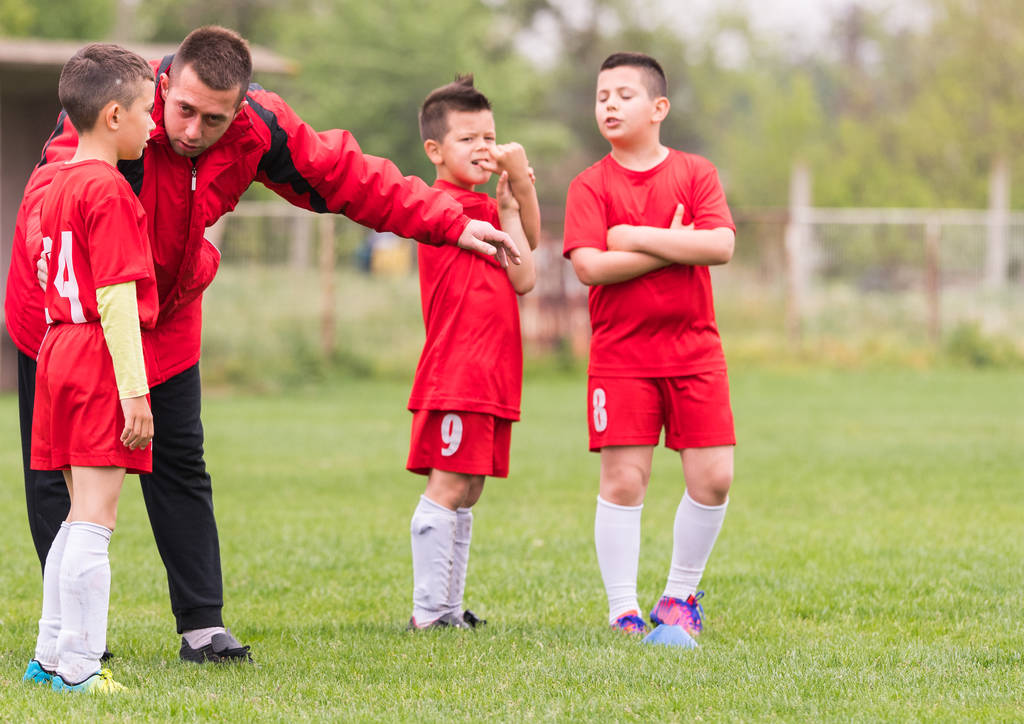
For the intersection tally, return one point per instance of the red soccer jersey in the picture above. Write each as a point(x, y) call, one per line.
point(661, 324)
point(95, 230)
point(472, 359)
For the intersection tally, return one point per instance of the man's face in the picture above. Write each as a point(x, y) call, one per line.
point(195, 115)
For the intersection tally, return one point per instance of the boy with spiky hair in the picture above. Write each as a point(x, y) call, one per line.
point(92, 418)
point(642, 226)
point(467, 387)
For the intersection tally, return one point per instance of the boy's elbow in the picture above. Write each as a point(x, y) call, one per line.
point(726, 248)
point(584, 273)
point(524, 286)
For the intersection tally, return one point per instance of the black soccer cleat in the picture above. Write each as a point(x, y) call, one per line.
point(472, 620)
point(223, 648)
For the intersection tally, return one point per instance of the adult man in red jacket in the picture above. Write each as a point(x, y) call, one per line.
point(215, 134)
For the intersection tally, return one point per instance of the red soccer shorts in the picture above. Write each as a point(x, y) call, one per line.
point(694, 410)
point(472, 443)
point(77, 418)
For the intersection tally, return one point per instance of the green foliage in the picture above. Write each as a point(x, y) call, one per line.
point(92, 19)
point(366, 67)
point(884, 114)
point(969, 344)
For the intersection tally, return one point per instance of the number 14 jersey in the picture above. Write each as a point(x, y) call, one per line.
point(94, 229)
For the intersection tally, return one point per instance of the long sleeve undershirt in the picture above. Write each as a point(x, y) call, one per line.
point(119, 317)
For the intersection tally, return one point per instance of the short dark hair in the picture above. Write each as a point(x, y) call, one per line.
point(94, 76)
point(460, 95)
point(219, 56)
point(656, 84)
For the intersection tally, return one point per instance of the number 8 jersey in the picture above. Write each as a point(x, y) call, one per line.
point(94, 229)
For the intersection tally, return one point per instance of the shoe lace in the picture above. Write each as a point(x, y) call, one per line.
point(694, 610)
point(630, 622)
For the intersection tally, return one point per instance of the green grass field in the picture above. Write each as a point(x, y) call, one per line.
point(869, 568)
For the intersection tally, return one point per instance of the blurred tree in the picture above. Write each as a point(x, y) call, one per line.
point(366, 67)
point(92, 19)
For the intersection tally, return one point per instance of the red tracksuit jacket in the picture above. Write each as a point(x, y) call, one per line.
point(267, 142)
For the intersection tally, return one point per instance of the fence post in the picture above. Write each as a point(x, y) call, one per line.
point(933, 278)
point(302, 233)
point(797, 228)
point(998, 223)
point(327, 285)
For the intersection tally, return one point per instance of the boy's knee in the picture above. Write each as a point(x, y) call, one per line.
point(624, 483)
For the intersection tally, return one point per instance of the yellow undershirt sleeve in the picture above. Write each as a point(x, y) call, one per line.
point(119, 317)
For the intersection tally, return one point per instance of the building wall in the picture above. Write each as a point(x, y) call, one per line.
point(28, 113)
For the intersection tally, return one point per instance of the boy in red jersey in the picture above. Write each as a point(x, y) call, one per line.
point(641, 227)
point(92, 418)
point(467, 387)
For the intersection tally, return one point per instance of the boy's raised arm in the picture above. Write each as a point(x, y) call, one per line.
point(524, 275)
point(511, 157)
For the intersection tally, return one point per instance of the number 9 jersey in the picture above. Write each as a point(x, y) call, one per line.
point(94, 230)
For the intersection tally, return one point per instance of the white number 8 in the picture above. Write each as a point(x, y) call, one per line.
point(451, 434)
point(600, 413)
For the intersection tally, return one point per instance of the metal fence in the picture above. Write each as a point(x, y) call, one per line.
point(847, 274)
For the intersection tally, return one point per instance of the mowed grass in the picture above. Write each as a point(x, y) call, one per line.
point(869, 568)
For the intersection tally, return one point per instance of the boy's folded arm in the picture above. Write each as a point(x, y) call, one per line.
point(594, 266)
point(119, 317)
point(696, 247)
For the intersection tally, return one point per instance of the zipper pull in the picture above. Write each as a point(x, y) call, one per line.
point(193, 177)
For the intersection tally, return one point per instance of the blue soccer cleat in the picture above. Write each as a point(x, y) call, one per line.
point(630, 622)
point(37, 674)
point(102, 682)
point(677, 612)
point(668, 635)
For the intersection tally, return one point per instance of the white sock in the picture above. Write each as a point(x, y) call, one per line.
point(200, 637)
point(460, 559)
point(49, 620)
point(433, 540)
point(617, 538)
point(694, 534)
point(84, 600)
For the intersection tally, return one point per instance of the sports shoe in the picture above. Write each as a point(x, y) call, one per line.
point(631, 623)
point(448, 620)
point(677, 612)
point(472, 619)
point(37, 674)
point(223, 648)
point(102, 682)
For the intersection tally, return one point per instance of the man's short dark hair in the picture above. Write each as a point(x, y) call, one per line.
point(94, 76)
point(459, 95)
point(219, 56)
point(654, 76)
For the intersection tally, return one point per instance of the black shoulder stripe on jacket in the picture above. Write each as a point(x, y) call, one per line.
point(164, 65)
point(277, 162)
point(57, 132)
point(132, 170)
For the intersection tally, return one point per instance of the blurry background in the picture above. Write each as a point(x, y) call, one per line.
point(871, 157)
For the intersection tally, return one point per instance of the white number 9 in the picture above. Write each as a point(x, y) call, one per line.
point(451, 434)
point(600, 412)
